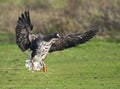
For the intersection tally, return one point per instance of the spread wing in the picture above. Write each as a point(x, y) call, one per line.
point(24, 35)
point(72, 40)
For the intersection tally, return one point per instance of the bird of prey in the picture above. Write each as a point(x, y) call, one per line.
point(40, 45)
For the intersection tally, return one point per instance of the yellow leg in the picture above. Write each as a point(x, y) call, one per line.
point(44, 67)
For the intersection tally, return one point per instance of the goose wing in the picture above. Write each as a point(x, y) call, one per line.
point(72, 40)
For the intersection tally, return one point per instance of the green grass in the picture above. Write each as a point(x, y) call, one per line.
point(94, 65)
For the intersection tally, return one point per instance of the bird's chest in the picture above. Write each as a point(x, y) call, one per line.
point(43, 49)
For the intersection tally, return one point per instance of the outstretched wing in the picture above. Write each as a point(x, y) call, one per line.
point(24, 35)
point(72, 40)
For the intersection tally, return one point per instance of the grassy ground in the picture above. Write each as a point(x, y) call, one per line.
point(94, 65)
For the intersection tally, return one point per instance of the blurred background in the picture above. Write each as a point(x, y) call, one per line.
point(63, 16)
point(94, 65)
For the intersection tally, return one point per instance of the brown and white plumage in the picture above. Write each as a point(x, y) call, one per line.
point(40, 45)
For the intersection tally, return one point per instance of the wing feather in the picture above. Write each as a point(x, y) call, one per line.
point(72, 40)
point(23, 31)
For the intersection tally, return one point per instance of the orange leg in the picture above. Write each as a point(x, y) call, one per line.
point(44, 67)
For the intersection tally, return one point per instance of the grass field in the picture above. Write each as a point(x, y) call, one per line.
point(94, 65)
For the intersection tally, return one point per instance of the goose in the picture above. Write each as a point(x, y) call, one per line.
point(40, 45)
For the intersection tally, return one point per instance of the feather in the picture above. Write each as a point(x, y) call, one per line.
point(72, 40)
point(23, 31)
point(41, 45)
